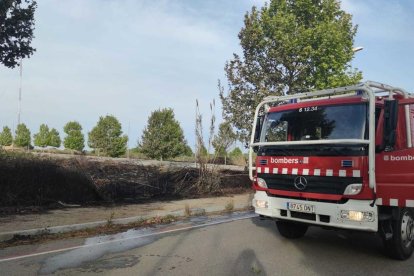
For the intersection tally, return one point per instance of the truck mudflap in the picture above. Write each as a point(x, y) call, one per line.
point(352, 215)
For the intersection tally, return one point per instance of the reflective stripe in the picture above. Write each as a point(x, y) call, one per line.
point(315, 172)
point(379, 201)
point(409, 203)
point(393, 202)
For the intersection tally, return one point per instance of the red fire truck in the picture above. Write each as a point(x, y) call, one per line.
point(337, 158)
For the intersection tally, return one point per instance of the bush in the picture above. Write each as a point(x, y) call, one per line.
point(237, 157)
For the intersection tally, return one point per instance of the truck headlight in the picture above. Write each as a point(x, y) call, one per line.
point(261, 203)
point(357, 215)
point(353, 189)
point(261, 183)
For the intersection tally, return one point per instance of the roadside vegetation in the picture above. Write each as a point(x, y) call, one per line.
point(34, 182)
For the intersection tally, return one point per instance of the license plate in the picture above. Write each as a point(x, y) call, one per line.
point(298, 207)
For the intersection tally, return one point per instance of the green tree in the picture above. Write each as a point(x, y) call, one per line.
point(6, 138)
point(237, 157)
point(42, 138)
point(289, 46)
point(54, 138)
point(74, 139)
point(187, 151)
point(223, 139)
point(163, 136)
point(106, 137)
point(202, 151)
point(22, 136)
point(16, 30)
point(236, 152)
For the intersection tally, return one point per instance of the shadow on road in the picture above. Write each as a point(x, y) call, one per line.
point(338, 252)
point(247, 263)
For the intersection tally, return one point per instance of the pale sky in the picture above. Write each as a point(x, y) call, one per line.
point(128, 58)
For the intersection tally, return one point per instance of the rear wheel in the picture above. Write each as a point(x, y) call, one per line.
point(401, 245)
point(291, 230)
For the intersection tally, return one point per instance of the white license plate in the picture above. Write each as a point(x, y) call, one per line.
point(298, 207)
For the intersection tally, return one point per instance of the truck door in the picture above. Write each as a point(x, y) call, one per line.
point(395, 167)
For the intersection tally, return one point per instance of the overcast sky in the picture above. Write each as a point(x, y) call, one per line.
point(130, 57)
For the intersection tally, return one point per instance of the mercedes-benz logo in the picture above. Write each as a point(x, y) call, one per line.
point(300, 183)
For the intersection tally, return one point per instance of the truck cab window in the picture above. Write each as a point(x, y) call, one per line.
point(377, 115)
point(316, 123)
point(277, 131)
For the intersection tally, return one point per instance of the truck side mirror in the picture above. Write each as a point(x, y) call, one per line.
point(257, 132)
point(258, 129)
point(390, 124)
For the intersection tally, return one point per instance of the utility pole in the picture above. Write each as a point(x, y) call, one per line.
point(20, 93)
point(129, 125)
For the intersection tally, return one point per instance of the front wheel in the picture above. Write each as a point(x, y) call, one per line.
point(291, 230)
point(401, 245)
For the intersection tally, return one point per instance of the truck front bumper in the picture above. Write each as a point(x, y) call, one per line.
point(325, 214)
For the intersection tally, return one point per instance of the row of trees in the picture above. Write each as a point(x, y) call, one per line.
point(105, 138)
point(162, 138)
point(45, 137)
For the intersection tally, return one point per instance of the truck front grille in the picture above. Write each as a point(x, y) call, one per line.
point(315, 184)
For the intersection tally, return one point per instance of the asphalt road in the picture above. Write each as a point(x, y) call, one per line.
point(230, 245)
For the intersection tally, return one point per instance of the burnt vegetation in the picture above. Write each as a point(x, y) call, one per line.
point(31, 180)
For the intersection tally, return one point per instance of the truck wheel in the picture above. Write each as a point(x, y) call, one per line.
point(401, 245)
point(291, 230)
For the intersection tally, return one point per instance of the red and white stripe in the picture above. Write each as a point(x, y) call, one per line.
point(395, 202)
point(316, 172)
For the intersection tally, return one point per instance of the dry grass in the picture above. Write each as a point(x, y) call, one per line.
point(187, 211)
point(229, 206)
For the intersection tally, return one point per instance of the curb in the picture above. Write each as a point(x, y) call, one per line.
point(5, 236)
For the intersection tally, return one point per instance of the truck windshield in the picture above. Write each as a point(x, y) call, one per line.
point(316, 123)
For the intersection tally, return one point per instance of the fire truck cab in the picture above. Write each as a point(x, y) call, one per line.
point(337, 158)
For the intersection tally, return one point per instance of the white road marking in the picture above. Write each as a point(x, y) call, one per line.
point(250, 215)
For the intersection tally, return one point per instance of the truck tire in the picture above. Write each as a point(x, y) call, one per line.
point(291, 230)
point(401, 245)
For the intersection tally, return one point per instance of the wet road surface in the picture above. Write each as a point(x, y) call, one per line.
point(238, 244)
